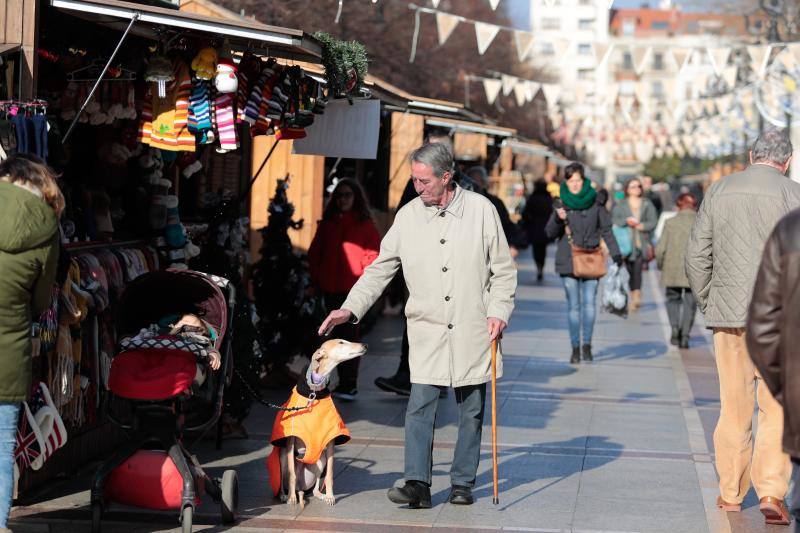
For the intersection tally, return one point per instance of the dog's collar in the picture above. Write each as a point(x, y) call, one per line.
point(313, 386)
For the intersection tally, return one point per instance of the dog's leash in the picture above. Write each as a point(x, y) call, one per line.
point(256, 396)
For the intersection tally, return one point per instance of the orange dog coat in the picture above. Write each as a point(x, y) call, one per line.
point(315, 426)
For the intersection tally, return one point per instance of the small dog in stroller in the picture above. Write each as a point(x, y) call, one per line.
point(168, 379)
point(304, 434)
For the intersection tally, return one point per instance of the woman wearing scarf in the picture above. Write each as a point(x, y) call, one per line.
point(588, 222)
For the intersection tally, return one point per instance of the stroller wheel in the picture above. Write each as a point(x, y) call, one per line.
point(230, 496)
point(97, 515)
point(186, 519)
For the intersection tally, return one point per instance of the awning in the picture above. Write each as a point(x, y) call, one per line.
point(528, 148)
point(472, 127)
point(9, 48)
point(280, 42)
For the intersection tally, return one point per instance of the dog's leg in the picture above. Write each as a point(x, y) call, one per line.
point(284, 451)
point(330, 499)
point(292, 488)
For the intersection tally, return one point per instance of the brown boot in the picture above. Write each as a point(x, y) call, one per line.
point(636, 300)
point(774, 511)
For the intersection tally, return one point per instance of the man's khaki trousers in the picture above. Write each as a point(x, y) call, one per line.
point(739, 386)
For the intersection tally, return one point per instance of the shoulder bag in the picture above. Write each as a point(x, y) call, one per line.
point(587, 263)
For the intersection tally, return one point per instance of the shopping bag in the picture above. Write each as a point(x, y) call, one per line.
point(614, 293)
point(624, 237)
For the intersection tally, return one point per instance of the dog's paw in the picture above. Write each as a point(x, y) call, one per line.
point(291, 499)
point(302, 499)
point(330, 499)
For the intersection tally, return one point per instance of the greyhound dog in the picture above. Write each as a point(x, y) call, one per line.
point(303, 439)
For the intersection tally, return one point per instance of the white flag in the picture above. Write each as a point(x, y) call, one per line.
point(531, 89)
point(520, 93)
point(640, 90)
point(787, 59)
point(729, 75)
point(626, 103)
point(681, 56)
point(435, 3)
point(640, 56)
point(485, 34)
point(551, 92)
point(494, 3)
point(560, 46)
point(611, 95)
point(759, 55)
point(549, 3)
point(445, 24)
point(719, 58)
point(601, 52)
point(524, 42)
point(509, 82)
point(492, 88)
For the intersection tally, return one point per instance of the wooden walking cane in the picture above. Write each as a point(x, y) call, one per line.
point(496, 499)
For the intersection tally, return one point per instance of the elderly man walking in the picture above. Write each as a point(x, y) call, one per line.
point(728, 237)
point(461, 282)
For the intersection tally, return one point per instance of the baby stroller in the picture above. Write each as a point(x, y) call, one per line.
point(166, 392)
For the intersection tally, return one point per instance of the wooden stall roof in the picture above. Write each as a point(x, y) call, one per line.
point(473, 127)
point(277, 41)
point(9, 48)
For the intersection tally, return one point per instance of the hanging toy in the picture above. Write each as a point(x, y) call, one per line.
point(159, 70)
point(204, 63)
point(225, 80)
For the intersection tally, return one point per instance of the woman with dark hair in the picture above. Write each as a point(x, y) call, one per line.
point(538, 209)
point(346, 242)
point(639, 214)
point(579, 220)
point(30, 204)
point(670, 257)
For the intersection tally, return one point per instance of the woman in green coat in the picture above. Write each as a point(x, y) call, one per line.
point(30, 204)
point(639, 214)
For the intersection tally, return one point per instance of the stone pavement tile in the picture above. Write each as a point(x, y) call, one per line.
point(538, 422)
point(636, 383)
point(638, 427)
point(536, 491)
point(648, 496)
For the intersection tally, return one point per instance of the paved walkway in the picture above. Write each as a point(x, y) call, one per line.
point(618, 446)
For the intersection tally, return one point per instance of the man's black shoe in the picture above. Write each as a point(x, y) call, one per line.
point(461, 495)
point(676, 337)
point(394, 384)
point(414, 493)
point(575, 358)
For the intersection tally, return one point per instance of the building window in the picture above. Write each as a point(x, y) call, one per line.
point(628, 27)
point(626, 88)
point(659, 25)
point(658, 61)
point(627, 61)
point(586, 24)
point(547, 49)
point(585, 73)
point(551, 23)
point(584, 49)
point(657, 89)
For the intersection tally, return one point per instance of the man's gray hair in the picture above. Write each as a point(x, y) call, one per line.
point(772, 146)
point(437, 156)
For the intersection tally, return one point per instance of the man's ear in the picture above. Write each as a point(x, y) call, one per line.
point(788, 164)
point(447, 177)
point(750, 155)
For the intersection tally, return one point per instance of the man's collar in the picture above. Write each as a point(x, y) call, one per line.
point(455, 207)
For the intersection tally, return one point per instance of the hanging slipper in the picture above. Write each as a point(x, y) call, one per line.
point(30, 445)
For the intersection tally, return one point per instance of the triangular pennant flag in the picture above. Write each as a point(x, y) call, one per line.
point(724, 103)
point(435, 3)
point(719, 58)
point(697, 107)
point(711, 110)
point(794, 48)
point(729, 75)
point(640, 56)
point(560, 46)
point(670, 89)
point(640, 90)
point(509, 82)
point(524, 42)
point(494, 4)
point(485, 34)
point(580, 94)
point(601, 52)
point(531, 90)
point(549, 3)
point(701, 82)
point(551, 92)
point(681, 55)
point(626, 103)
point(611, 95)
point(445, 24)
point(787, 59)
point(492, 88)
point(520, 93)
point(759, 55)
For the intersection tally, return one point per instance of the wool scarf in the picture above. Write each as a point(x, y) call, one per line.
point(585, 199)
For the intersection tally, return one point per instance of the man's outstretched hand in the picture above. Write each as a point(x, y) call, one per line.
point(339, 316)
point(496, 327)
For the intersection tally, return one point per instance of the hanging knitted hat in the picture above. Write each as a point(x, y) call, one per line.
point(159, 70)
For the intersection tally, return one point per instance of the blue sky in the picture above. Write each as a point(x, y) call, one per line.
point(518, 9)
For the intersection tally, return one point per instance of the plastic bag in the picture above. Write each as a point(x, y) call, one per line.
point(614, 293)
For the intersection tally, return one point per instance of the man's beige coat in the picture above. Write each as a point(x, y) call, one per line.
point(459, 272)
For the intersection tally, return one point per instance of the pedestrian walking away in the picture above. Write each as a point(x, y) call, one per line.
point(29, 243)
point(346, 242)
point(638, 214)
point(579, 220)
point(671, 260)
point(538, 209)
point(733, 223)
point(771, 339)
point(461, 282)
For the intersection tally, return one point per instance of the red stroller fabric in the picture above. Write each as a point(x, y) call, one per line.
point(147, 479)
point(152, 374)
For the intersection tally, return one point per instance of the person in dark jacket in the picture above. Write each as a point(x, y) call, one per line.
point(538, 209)
point(587, 223)
point(480, 178)
point(670, 257)
point(30, 204)
point(346, 243)
point(771, 336)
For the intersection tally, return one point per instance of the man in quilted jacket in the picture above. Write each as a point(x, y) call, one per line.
point(732, 226)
